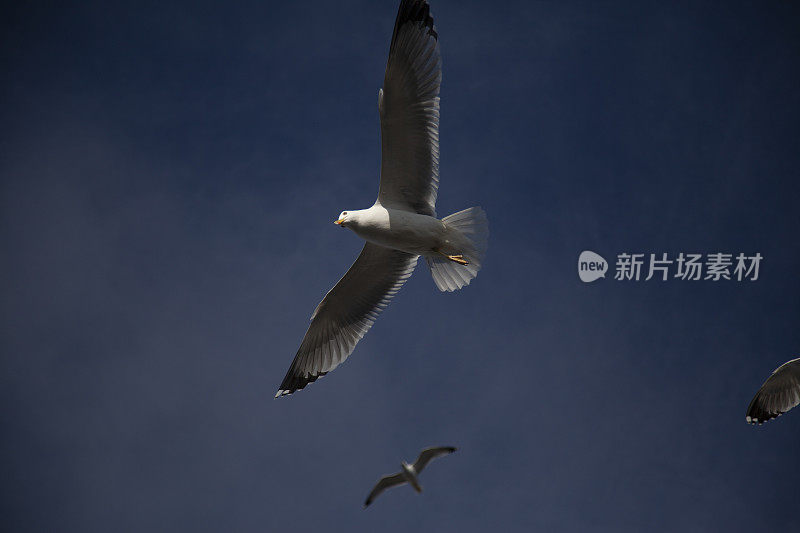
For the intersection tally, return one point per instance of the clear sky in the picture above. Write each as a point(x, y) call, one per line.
point(170, 175)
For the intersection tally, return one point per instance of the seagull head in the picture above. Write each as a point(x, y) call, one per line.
point(343, 218)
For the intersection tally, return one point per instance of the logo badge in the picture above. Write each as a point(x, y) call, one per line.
point(591, 266)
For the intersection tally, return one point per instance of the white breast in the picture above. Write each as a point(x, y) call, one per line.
point(401, 230)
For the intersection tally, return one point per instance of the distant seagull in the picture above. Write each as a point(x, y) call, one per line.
point(409, 473)
point(402, 224)
point(777, 395)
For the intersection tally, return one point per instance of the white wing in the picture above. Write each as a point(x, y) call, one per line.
point(347, 312)
point(409, 110)
point(777, 395)
point(384, 483)
point(427, 454)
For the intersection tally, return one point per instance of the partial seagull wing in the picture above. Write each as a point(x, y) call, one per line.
point(777, 395)
point(408, 106)
point(427, 454)
point(385, 483)
point(347, 312)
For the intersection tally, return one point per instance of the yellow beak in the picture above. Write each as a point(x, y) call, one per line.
point(338, 221)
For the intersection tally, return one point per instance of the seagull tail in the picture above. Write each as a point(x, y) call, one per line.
point(473, 226)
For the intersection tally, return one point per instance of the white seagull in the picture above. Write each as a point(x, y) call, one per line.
point(409, 473)
point(777, 395)
point(402, 224)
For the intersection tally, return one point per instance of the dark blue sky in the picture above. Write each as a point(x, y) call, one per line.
point(170, 172)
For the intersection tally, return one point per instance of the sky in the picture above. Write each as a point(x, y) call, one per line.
point(170, 173)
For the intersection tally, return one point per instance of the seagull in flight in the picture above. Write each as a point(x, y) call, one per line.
point(408, 473)
point(401, 225)
point(778, 394)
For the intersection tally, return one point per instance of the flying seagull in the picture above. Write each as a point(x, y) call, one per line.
point(777, 395)
point(409, 473)
point(402, 224)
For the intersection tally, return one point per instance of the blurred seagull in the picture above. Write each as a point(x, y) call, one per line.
point(777, 395)
point(409, 473)
point(402, 224)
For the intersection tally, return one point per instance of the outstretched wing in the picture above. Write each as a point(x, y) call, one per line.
point(385, 483)
point(409, 110)
point(777, 395)
point(427, 454)
point(347, 312)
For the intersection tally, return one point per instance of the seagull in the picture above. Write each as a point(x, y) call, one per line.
point(402, 224)
point(778, 394)
point(409, 473)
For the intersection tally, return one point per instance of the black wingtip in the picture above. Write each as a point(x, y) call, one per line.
point(760, 417)
point(757, 414)
point(292, 383)
point(415, 11)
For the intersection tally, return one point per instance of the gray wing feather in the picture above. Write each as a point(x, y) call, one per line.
point(427, 454)
point(384, 483)
point(347, 312)
point(780, 393)
point(408, 106)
